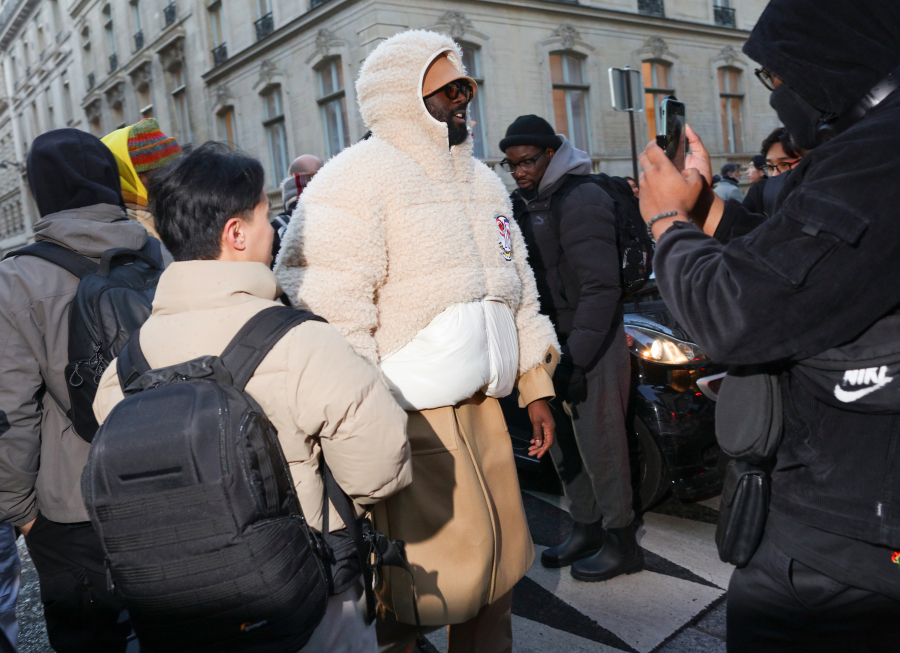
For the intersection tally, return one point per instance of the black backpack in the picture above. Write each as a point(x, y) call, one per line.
point(113, 299)
point(189, 491)
point(634, 243)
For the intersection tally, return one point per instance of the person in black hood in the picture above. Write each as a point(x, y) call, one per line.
point(75, 183)
point(569, 225)
point(817, 275)
point(70, 169)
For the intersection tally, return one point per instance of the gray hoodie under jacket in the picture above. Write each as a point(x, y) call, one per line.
point(41, 457)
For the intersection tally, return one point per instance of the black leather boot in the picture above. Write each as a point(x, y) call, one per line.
point(620, 555)
point(585, 540)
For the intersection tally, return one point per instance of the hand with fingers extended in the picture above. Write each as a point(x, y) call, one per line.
point(688, 192)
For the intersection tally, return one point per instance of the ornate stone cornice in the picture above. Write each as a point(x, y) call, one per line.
point(657, 48)
point(325, 41)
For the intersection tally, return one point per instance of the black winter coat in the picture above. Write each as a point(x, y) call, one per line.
point(576, 268)
point(815, 275)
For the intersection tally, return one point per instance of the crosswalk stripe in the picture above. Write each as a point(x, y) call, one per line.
point(643, 609)
point(688, 543)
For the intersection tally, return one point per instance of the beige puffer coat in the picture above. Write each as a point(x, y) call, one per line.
point(320, 395)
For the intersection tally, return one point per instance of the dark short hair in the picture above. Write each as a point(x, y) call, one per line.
point(633, 181)
point(730, 168)
point(193, 198)
point(780, 135)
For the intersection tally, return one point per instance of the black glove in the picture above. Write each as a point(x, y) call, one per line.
point(569, 381)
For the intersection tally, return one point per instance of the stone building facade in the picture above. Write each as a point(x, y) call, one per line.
point(275, 78)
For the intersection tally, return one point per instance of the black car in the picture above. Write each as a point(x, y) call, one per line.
point(671, 422)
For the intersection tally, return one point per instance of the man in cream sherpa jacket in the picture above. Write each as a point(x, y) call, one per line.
point(404, 243)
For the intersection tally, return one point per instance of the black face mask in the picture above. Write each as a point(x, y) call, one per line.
point(800, 118)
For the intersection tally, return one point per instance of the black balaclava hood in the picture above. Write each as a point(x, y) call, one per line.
point(71, 169)
point(799, 117)
point(829, 52)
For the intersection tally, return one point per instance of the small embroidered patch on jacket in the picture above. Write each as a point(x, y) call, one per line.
point(505, 239)
point(896, 558)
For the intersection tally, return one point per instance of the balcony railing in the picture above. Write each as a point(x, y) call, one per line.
point(113, 62)
point(316, 3)
point(138, 40)
point(652, 8)
point(169, 13)
point(220, 54)
point(264, 26)
point(91, 80)
point(724, 16)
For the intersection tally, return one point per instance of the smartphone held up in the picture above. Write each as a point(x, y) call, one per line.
point(672, 137)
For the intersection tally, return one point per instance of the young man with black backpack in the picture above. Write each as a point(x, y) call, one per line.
point(237, 413)
point(75, 183)
point(578, 235)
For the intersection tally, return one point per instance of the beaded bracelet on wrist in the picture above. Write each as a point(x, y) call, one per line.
point(655, 219)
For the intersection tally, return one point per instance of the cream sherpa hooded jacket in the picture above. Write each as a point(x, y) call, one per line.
point(397, 228)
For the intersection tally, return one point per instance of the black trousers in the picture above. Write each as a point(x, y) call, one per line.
point(82, 615)
point(590, 451)
point(779, 605)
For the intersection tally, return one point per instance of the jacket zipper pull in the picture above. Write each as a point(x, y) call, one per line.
point(110, 583)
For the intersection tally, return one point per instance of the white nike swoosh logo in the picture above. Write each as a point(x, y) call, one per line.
point(849, 397)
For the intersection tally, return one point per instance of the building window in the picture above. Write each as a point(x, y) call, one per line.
point(179, 96)
point(652, 8)
point(57, 18)
point(51, 118)
point(723, 13)
point(570, 99)
point(138, 27)
point(88, 55)
point(39, 33)
point(656, 86)
point(276, 134)
point(265, 23)
point(226, 127)
point(731, 97)
point(145, 100)
point(333, 100)
point(219, 51)
point(119, 114)
point(35, 121)
point(170, 13)
point(67, 98)
point(472, 63)
point(110, 38)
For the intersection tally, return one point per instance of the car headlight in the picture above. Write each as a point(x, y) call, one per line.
point(662, 348)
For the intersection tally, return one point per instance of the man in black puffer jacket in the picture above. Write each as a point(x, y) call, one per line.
point(569, 225)
point(816, 275)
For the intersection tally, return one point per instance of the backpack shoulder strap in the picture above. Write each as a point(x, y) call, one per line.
point(131, 363)
point(153, 248)
point(76, 264)
point(257, 337)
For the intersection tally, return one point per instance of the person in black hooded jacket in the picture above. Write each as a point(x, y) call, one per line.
point(816, 275)
point(569, 226)
point(75, 183)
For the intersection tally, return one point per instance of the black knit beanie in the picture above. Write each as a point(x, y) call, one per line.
point(531, 130)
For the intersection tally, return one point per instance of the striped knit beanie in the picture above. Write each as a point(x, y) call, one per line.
point(149, 148)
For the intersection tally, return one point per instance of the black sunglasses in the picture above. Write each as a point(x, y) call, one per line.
point(457, 87)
